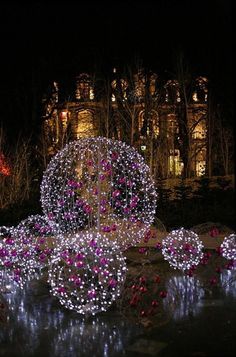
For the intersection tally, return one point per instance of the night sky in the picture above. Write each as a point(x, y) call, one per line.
point(42, 42)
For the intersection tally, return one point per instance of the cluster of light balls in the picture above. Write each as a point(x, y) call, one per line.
point(99, 199)
point(182, 248)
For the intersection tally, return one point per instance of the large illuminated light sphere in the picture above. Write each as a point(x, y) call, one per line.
point(34, 237)
point(99, 185)
point(87, 276)
point(182, 248)
point(228, 247)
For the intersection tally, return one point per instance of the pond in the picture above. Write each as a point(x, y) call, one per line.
point(175, 314)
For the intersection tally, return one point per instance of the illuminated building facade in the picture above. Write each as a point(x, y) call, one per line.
point(165, 121)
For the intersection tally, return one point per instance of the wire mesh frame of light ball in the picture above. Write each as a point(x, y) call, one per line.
point(34, 236)
point(182, 248)
point(228, 247)
point(87, 276)
point(99, 185)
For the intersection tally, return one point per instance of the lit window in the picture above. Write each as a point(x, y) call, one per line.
point(63, 117)
point(84, 88)
point(195, 97)
point(200, 167)
point(199, 131)
point(139, 81)
point(85, 126)
point(91, 94)
point(175, 163)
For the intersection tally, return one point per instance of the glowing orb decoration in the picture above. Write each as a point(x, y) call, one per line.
point(184, 296)
point(102, 186)
point(87, 276)
point(228, 247)
point(182, 249)
point(34, 237)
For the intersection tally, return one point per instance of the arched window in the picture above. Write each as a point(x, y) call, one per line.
point(84, 87)
point(199, 131)
point(175, 163)
point(140, 120)
point(172, 125)
point(124, 86)
point(84, 127)
point(172, 92)
point(139, 85)
point(153, 123)
point(200, 92)
point(201, 162)
point(152, 85)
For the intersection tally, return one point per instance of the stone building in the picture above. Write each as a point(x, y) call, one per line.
point(165, 120)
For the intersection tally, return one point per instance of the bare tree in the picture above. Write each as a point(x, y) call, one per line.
point(16, 187)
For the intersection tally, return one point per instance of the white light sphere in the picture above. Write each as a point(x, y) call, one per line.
point(87, 275)
point(228, 247)
point(99, 185)
point(36, 243)
point(182, 248)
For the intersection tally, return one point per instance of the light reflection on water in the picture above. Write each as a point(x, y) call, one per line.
point(184, 295)
point(228, 282)
point(38, 325)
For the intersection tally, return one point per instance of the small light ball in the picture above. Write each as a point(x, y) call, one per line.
point(35, 243)
point(228, 247)
point(182, 249)
point(87, 276)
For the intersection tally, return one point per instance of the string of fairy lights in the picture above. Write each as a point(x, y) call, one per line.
point(98, 200)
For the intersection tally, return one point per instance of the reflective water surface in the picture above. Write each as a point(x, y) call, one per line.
point(37, 325)
point(201, 323)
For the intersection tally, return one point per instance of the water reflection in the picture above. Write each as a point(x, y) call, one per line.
point(228, 282)
point(184, 295)
point(37, 325)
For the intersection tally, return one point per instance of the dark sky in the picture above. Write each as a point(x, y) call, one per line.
point(43, 41)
